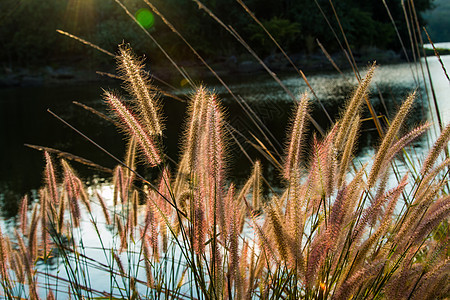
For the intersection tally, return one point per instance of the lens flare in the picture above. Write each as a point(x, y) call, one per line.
point(145, 18)
point(183, 82)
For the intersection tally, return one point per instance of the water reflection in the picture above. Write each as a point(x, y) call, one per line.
point(24, 120)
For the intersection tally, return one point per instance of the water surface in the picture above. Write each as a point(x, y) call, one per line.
point(24, 119)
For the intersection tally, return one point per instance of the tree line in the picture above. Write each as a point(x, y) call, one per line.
point(28, 27)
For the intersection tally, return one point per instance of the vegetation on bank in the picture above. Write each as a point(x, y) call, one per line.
point(438, 21)
point(28, 28)
point(440, 51)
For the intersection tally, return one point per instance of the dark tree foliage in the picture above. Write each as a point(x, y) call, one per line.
point(28, 27)
point(438, 21)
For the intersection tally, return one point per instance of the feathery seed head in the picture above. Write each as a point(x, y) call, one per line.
point(197, 116)
point(23, 214)
point(438, 146)
point(353, 107)
point(104, 208)
point(257, 191)
point(279, 230)
point(402, 143)
point(388, 139)
point(72, 191)
point(50, 178)
point(297, 135)
point(138, 85)
point(346, 288)
point(348, 150)
point(134, 128)
point(316, 257)
point(4, 256)
point(433, 217)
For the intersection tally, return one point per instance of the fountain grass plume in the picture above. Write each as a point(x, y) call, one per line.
point(4, 257)
point(389, 138)
point(363, 275)
point(354, 106)
point(435, 279)
point(199, 223)
point(72, 189)
point(138, 85)
point(278, 231)
point(50, 178)
point(44, 219)
point(257, 189)
point(403, 142)
point(434, 216)
point(360, 253)
point(195, 124)
point(297, 136)
point(152, 232)
point(23, 214)
point(348, 150)
point(104, 208)
point(438, 146)
point(32, 234)
point(135, 129)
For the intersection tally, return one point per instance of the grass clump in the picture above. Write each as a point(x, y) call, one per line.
point(337, 230)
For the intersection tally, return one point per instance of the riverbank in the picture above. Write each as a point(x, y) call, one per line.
point(48, 76)
point(87, 72)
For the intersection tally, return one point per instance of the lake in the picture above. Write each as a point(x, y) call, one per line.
point(24, 119)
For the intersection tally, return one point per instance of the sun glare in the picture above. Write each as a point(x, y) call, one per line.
point(80, 14)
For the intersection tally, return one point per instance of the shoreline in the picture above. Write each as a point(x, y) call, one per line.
point(76, 74)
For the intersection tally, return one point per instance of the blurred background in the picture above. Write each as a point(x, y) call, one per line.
point(28, 37)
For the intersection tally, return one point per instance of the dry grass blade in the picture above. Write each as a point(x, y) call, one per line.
point(70, 156)
point(300, 72)
point(95, 112)
point(85, 42)
point(437, 54)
